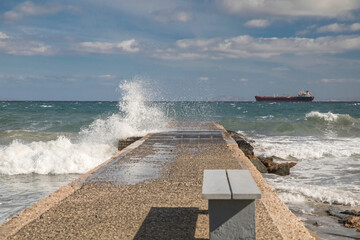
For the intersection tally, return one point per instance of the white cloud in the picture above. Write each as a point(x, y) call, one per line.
point(298, 8)
point(200, 43)
point(336, 27)
point(339, 80)
point(244, 80)
point(203, 78)
point(183, 16)
point(257, 23)
point(173, 15)
point(245, 46)
point(23, 47)
point(130, 46)
point(28, 8)
point(30, 49)
point(3, 36)
point(173, 55)
point(107, 76)
point(355, 27)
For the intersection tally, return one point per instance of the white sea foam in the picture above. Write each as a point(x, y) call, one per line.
point(93, 145)
point(292, 198)
point(326, 171)
point(298, 193)
point(307, 148)
point(329, 116)
point(52, 157)
point(267, 117)
point(297, 202)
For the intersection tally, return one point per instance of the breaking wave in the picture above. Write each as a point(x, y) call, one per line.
point(92, 145)
point(330, 117)
point(327, 167)
point(313, 123)
point(291, 193)
point(332, 124)
point(307, 148)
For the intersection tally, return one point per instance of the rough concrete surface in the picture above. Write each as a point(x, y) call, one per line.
point(168, 207)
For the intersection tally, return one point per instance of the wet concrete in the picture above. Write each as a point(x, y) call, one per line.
point(160, 148)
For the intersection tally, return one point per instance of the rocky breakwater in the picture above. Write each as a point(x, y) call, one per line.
point(262, 164)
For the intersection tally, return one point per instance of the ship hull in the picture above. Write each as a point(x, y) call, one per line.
point(283, 99)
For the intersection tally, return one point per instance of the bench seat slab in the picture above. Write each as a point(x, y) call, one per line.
point(215, 185)
point(243, 185)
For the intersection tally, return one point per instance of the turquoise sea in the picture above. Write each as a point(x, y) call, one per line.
point(44, 145)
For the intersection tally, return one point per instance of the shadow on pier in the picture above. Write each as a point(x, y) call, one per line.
point(169, 223)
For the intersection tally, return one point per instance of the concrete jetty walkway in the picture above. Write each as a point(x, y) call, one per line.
point(151, 190)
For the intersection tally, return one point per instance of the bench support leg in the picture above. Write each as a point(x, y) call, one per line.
point(232, 219)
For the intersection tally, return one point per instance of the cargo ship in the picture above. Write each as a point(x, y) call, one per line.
point(303, 96)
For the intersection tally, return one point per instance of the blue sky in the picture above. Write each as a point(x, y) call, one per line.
point(187, 50)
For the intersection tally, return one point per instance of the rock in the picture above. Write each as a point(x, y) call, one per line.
point(245, 147)
point(352, 221)
point(289, 164)
point(316, 224)
point(236, 134)
point(268, 162)
point(352, 212)
point(282, 171)
point(259, 165)
point(242, 142)
point(262, 164)
point(336, 213)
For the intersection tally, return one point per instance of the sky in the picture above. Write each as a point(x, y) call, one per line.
point(182, 49)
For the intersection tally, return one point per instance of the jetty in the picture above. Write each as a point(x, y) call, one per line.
point(152, 189)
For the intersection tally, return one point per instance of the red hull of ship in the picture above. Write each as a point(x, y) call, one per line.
point(283, 99)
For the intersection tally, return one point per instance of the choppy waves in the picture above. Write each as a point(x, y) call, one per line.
point(313, 123)
point(307, 148)
point(91, 146)
point(328, 164)
point(325, 172)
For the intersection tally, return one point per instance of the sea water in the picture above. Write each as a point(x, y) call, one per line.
point(44, 145)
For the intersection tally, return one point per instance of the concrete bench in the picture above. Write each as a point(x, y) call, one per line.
point(231, 195)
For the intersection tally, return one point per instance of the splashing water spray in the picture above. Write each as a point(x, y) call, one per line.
point(139, 113)
point(94, 143)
